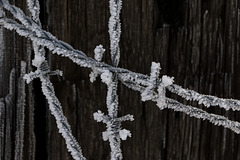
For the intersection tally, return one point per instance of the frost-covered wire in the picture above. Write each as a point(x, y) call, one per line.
point(18, 14)
point(48, 40)
point(77, 57)
point(199, 113)
point(192, 111)
point(110, 74)
point(98, 54)
point(62, 124)
point(125, 76)
point(43, 72)
point(155, 71)
point(114, 133)
point(114, 26)
point(34, 8)
point(206, 100)
point(55, 107)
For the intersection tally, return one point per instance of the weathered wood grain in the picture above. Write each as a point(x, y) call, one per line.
point(196, 41)
point(16, 112)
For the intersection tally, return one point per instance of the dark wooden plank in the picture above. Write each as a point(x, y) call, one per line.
point(196, 41)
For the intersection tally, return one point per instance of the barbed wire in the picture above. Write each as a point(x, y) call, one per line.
point(43, 72)
point(110, 74)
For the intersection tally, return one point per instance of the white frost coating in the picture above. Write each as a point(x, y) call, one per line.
point(54, 45)
point(110, 75)
point(62, 124)
point(147, 94)
point(38, 60)
point(114, 26)
point(106, 135)
point(18, 14)
point(93, 75)
point(106, 77)
point(124, 134)
point(198, 113)
point(161, 100)
point(99, 50)
point(43, 72)
point(30, 76)
point(114, 133)
point(167, 81)
point(112, 99)
point(155, 71)
point(206, 100)
point(98, 116)
point(34, 8)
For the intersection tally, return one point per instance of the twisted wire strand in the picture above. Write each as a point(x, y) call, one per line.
point(193, 111)
point(62, 123)
point(129, 78)
point(123, 74)
point(64, 50)
point(43, 71)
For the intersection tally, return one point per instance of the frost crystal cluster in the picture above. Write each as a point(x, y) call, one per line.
point(151, 88)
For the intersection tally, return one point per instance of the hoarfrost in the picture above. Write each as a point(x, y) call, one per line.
point(99, 50)
point(98, 116)
point(124, 134)
point(166, 81)
point(147, 94)
point(106, 135)
point(38, 60)
point(161, 100)
point(106, 77)
point(110, 75)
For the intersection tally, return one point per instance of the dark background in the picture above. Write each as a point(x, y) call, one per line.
point(196, 41)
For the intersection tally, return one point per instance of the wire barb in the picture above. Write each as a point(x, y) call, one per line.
point(110, 74)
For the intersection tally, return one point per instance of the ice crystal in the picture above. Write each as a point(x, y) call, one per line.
point(151, 87)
